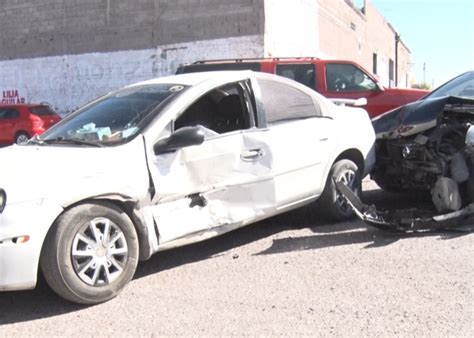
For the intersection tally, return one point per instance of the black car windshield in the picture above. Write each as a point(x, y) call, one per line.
point(462, 86)
point(115, 118)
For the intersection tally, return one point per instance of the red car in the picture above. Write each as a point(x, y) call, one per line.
point(19, 122)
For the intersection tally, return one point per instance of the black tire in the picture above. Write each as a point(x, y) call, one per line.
point(332, 204)
point(21, 137)
point(86, 277)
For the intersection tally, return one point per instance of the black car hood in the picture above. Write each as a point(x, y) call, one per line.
point(414, 117)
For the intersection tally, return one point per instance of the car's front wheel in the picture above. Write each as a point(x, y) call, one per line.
point(90, 253)
point(21, 138)
point(332, 204)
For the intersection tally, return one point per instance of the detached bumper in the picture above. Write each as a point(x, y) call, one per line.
point(407, 220)
point(23, 228)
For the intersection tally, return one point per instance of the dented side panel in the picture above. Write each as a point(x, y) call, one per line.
point(226, 180)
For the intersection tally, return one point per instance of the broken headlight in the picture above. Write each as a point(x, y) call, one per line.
point(3, 199)
point(470, 136)
point(411, 151)
point(406, 151)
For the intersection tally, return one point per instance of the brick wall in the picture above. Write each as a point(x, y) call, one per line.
point(64, 27)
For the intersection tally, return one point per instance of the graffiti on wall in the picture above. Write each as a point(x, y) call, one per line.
point(70, 81)
point(12, 97)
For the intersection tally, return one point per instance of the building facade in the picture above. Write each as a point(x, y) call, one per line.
point(67, 52)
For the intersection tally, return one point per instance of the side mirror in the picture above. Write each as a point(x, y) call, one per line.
point(380, 87)
point(183, 137)
point(360, 102)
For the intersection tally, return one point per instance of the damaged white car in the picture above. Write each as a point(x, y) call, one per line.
point(165, 163)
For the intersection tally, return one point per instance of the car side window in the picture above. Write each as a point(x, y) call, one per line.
point(302, 73)
point(283, 102)
point(341, 77)
point(221, 110)
point(6, 114)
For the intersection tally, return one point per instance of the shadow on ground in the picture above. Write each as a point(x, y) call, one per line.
point(42, 302)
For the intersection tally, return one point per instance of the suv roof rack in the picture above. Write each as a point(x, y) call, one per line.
point(257, 59)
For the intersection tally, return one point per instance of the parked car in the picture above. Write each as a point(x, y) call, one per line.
point(18, 122)
point(165, 163)
point(334, 79)
point(428, 145)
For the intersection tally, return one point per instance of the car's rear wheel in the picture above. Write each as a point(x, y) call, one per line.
point(332, 204)
point(90, 253)
point(21, 137)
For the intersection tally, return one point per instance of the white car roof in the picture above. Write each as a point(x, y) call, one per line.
point(192, 79)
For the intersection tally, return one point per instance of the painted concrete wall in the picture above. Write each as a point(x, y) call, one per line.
point(69, 81)
point(291, 28)
point(67, 52)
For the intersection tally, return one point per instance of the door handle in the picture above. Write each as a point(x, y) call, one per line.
point(252, 155)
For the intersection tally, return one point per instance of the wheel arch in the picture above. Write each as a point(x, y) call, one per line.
point(353, 155)
point(21, 131)
point(130, 208)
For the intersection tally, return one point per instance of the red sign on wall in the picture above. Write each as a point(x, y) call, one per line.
point(12, 97)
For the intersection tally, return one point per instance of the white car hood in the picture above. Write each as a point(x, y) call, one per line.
point(67, 174)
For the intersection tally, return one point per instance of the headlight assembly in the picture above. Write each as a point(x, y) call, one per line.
point(406, 151)
point(3, 199)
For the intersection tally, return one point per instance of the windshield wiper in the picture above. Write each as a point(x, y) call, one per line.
point(62, 140)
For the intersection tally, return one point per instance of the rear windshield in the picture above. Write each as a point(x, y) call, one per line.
point(207, 67)
point(43, 110)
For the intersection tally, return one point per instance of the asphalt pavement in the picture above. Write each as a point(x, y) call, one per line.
point(291, 275)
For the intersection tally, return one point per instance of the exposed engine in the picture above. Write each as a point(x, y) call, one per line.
point(439, 159)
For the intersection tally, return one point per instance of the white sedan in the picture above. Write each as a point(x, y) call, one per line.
point(165, 163)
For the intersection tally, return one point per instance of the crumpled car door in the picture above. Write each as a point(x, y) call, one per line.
point(227, 180)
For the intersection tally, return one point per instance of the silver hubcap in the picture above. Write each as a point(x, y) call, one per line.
point(348, 177)
point(99, 252)
point(21, 139)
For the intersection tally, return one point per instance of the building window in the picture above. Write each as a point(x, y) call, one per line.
point(374, 63)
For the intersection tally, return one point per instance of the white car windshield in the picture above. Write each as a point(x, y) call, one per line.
point(115, 118)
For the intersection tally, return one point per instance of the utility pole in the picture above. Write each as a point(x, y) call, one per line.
point(424, 72)
point(397, 40)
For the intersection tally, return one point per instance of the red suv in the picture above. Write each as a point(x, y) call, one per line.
point(18, 122)
point(334, 79)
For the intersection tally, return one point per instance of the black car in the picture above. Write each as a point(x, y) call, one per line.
point(428, 145)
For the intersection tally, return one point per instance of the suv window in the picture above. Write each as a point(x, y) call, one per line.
point(9, 114)
point(221, 110)
point(42, 110)
point(342, 77)
point(283, 102)
point(303, 73)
